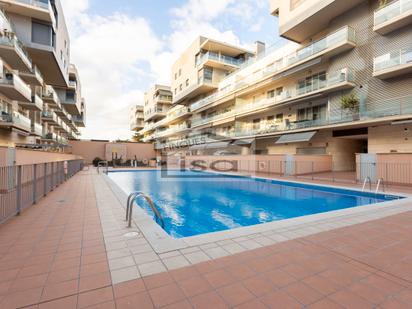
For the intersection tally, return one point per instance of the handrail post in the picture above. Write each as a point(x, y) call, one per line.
point(45, 179)
point(52, 177)
point(34, 183)
point(18, 193)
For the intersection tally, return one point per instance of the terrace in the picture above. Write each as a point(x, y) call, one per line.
point(73, 250)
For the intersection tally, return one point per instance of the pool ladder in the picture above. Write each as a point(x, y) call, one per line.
point(380, 183)
point(129, 209)
point(104, 164)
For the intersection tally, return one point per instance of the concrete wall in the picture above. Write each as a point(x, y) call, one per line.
point(390, 138)
point(92, 149)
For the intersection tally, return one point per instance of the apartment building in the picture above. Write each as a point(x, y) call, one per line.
point(40, 90)
point(340, 87)
point(157, 102)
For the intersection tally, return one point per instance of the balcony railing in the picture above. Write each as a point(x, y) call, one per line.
point(317, 84)
point(50, 136)
point(155, 110)
point(37, 3)
point(345, 34)
point(392, 59)
point(16, 119)
point(9, 78)
point(36, 100)
point(171, 130)
point(391, 10)
point(36, 128)
point(49, 115)
point(219, 58)
point(165, 98)
point(50, 94)
point(9, 38)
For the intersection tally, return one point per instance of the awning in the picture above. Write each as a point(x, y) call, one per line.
point(296, 137)
point(246, 141)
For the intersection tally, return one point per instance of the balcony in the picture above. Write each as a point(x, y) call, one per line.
point(300, 20)
point(204, 85)
point(49, 116)
point(173, 115)
point(33, 77)
point(38, 9)
point(11, 49)
point(393, 64)
point(148, 138)
point(316, 87)
point(12, 86)
point(172, 130)
point(50, 136)
point(392, 16)
point(136, 125)
point(155, 113)
point(62, 140)
point(36, 129)
point(331, 45)
point(79, 120)
point(72, 84)
point(15, 120)
point(216, 60)
point(36, 103)
point(162, 98)
point(50, 96)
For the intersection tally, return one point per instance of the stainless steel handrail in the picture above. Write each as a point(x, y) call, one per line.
point(367, 179)
point(380, 181)
point(129, 209)
point(103, 164)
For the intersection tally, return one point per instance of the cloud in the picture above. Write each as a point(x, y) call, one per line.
point(119, 55)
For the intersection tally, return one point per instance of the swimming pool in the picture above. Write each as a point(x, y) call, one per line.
point(192, 208)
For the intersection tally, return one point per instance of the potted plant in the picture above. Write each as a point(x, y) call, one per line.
point(350, 103)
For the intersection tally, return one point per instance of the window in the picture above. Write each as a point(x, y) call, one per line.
point(312, 113)
point(270, 119)
point(42, 34)
point(187, 82)
point(180, 72)
point(208, 74)
point(180, 87)
point(271, 94)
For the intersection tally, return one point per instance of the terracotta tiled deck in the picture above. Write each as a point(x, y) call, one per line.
point(55, 256)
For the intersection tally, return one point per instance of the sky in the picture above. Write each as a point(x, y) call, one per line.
point(123, 47)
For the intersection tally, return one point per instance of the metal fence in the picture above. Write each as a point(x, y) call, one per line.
point(23, 185)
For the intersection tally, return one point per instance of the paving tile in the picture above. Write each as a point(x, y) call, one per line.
point(27, 283)
point(303, 293)
point(166, 295)
point(175, 262)
point(219, 278)
point(21, 299)
point(196, 257)
point(58, 290)
point(95, 297)
point(235, 294)
point(61, 303)
point(128, 288)
point(208, 300)
point(125, 274)
point(279, 299)
point(145, 257)
point(63, 275)
point(94, 282)
point(122, 262)
point(325, 304)
point(184, 273)
point(158, 280)
point(259, 285)
point(194, 285)
point(140, 300)
point(179, 305)
point(253, 304)
point(151, 268)
point(348, 299)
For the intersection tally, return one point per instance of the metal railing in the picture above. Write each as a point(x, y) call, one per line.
point(391, 10)
point(23, 185)
point(104, 164)
point(129, 208)
point(392, 59)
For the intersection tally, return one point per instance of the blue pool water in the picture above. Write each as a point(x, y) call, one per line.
point(205, 204)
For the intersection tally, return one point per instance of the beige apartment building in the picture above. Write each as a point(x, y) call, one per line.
point(341, 87)
point(41, 101)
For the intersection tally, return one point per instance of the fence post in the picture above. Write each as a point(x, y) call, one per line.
point(34, 183)
point(52, 177)
point(18, 206)
point(45, 179)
